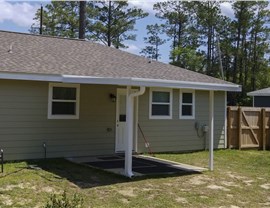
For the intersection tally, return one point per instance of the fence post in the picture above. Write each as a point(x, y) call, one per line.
point(263, 128)
point(229, 127)
point(239, 127)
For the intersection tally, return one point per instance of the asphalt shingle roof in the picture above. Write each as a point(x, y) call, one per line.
point(261, 92)
point(61, 56)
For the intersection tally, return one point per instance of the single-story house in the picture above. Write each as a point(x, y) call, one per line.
point(261, 98)
point(77, 98)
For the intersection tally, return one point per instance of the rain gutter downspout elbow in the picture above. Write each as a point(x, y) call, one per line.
point(140, 92)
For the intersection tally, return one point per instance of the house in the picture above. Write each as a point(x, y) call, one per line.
point(76, 98)
point(261, 98)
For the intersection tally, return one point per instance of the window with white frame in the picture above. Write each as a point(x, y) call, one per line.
point(187, 104)
point(160, 104)
point(63, 101)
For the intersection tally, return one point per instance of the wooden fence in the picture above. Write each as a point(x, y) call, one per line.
point(248, 127)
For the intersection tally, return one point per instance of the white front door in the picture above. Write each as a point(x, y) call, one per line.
point(121, 121)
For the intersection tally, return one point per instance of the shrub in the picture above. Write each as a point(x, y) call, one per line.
point(64, 201)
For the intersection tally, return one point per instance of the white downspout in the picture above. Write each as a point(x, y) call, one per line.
point(129, 129)
point(211, 130)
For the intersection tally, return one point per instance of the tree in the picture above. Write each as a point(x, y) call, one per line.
point(113, 22)
point(60, 18)
point(154, 40)
point(208, 18)
point(178, 24)
point(108, 22)
point(189, 59)
point(260, 46)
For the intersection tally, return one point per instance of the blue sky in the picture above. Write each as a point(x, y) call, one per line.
point(18, 16)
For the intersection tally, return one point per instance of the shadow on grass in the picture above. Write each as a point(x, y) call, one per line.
point(84, 176)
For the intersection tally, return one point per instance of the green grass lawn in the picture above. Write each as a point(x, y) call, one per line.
point(240, 179)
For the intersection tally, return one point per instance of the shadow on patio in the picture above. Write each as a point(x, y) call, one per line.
point(84, 176)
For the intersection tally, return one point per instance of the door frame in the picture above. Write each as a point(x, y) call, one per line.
point(136, 111)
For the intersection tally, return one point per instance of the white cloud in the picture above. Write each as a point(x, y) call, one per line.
point(226, 9)
point(145, 5)
point(20, 13)
point(132, 49)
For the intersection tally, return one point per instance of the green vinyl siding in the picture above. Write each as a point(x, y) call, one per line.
point(179, 134)
point(24, 123)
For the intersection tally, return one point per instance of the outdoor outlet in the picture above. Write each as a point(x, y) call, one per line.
point(205, 128)
point(147, 145)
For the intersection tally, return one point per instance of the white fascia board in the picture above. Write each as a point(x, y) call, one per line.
point(121, 81)
point(152, 83)
point(258, 94)
point(32, 77)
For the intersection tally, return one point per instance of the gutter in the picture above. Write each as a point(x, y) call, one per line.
point(122, 81)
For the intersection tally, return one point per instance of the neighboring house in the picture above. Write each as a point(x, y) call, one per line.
point(81, 98)
point(261, 98)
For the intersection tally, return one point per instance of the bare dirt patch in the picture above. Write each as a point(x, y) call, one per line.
point(127, 192)
point(181, 200)
point(199, 180)
point(234, 176)
point(47, 189)
point(265, 186)
point(20, 185)
point(125, 201)
point(6, 200)
point(216, 187)
point(229, 183)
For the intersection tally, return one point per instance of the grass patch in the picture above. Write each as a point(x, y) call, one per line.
point(241, 178)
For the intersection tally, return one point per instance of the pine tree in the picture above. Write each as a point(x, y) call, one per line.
point(60, 18)
point(178, 24)
point(154, 40)
point(113, 22)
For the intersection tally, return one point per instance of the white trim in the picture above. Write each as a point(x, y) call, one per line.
point(211, 130)
point(127, 81)
point(181, 103)
point(151, 103)
point(123, 92)
point(130, 128)
point(225, 124)
point(136, 124)
point(50, 100)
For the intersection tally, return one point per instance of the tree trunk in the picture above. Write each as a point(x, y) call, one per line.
point(109, 24)
point(82, 20)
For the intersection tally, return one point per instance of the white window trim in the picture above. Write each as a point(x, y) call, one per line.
point(50, 100)
point(181, 104)
point(150, 103)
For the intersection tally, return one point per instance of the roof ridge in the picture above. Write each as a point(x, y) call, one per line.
point(43, 36)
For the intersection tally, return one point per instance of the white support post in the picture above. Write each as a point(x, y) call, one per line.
point(211, 130)
point(129, 133)
point(129, 128)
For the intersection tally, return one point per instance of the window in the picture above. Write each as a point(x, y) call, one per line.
point(63, 101)
point(187, 104)
point(160, 104)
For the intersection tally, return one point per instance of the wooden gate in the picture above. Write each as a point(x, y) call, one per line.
point(248, 127)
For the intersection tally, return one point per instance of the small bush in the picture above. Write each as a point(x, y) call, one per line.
point(64, 201)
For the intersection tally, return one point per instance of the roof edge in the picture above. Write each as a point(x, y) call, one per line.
point(258, 94)
point(128, 81)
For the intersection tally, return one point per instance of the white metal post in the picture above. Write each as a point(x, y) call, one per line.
point(211, 130)
point(129, 133)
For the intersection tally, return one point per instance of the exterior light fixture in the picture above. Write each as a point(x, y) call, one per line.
point(113, 97)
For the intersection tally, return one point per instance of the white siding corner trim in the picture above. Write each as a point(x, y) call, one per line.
point(151, 103)
point(181, 104)
point(51, 100)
